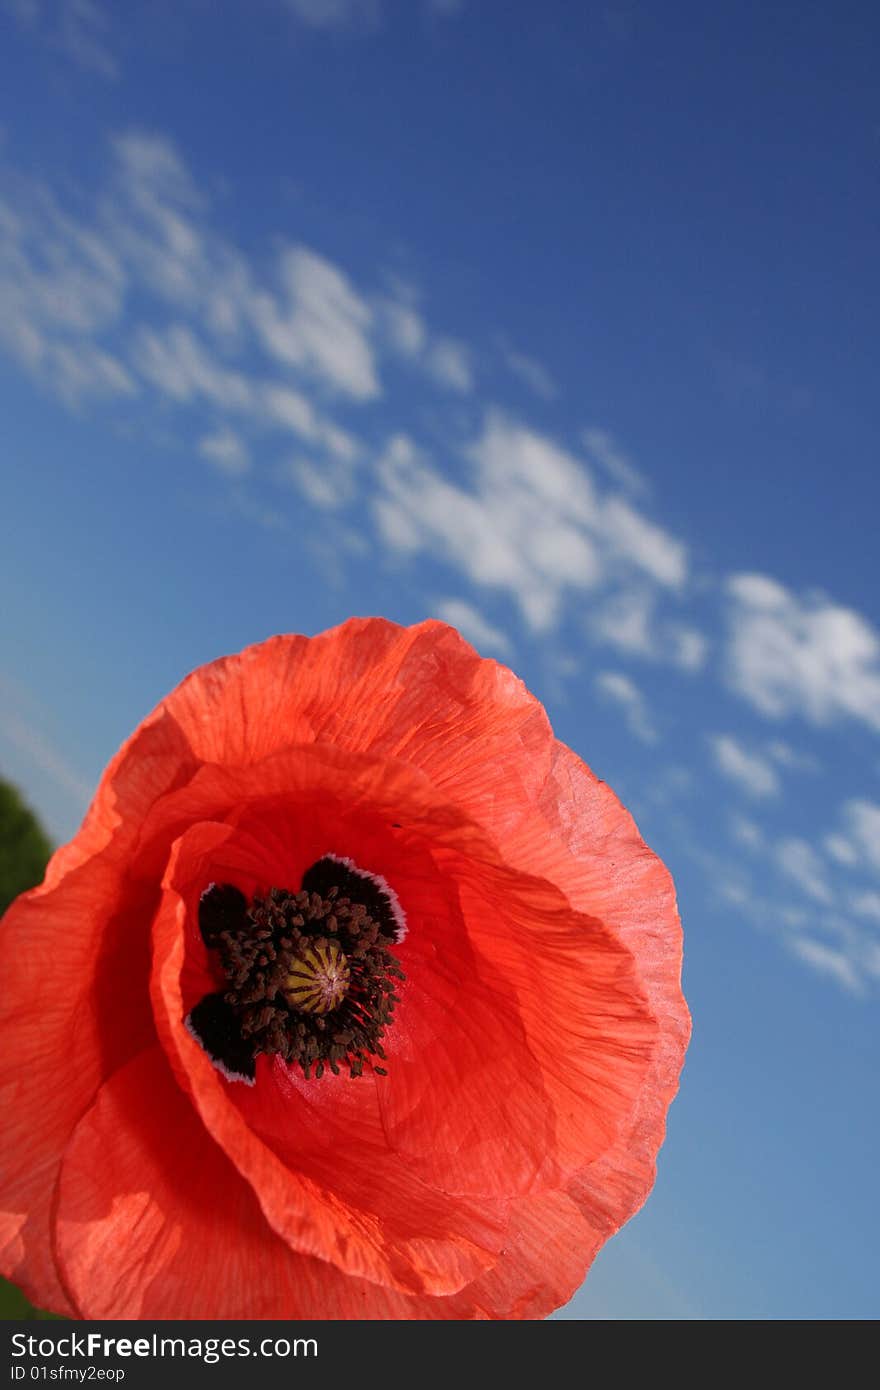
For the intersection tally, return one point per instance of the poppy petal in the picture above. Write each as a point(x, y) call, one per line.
point(128, 1247)
point(393, 1229)
point(79, 947)
point(545, 923)
point(128, 1251)
point(519, 934)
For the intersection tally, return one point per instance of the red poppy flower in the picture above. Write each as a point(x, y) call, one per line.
point(356, 995)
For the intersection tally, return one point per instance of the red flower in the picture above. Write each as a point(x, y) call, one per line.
point(222, 1100)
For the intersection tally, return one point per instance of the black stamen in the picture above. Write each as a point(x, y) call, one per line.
point(221, 908)
point(215, 1024)
point(332, 873)
point(284, 956)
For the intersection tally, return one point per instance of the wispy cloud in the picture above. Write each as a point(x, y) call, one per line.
point(84, 31)
point(532, 522)
point(226, 451)
point(828, 960)
point(80, 29)
point(629, 621)
point(449, 363)
point(178, 364)
point(746, 832)
point(840, 849)
point(319, 323)
point(335, 14)
point(531, 372)
point(404, 332)
point(801, 655)
point(61, 284)
point(624, 693)
point(603, 450)
point(825, 910)
point(754, 774)
point(862, 831)
point(282, 370)
point(792, 758)
point(471, 623)
point(358, 16)
point(799, 861)
point(328, 484)
point(866, 905)
point(39, 751)
point(644, 544)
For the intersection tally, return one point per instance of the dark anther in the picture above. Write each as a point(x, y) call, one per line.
point(221, 908)
point(310, 975)
point(215, 1024)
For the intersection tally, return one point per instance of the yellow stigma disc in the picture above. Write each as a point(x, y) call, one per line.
point(318, 980)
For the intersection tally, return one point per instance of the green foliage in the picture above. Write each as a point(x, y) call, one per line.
point(24, 846)
point(24, 854)
point(14, 1305)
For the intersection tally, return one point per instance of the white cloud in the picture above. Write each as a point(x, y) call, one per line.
point(750, 771)
point(513, 532)
point(41, 753)
point(841, 849)
point(78, 28)
point(357, 15)
point(746, 832)
point(156, 175)
point(327, 484)
point(472, 625)
point(449, 364)
point(226, 451)
point(68, 287)
point(604, 451)
point(626, 621)
point(334, 14)
point(404, 326)
point(862, 820)
point(855, 957)
point(532, 522)
point(789, 757)
point(629, 622)
point(179, 365)
point(290, 409)
point(83, 33)
point(689, 647)
point(615, 686)
point(320, 324)
point(182, 368)
point(644, 544)
point(151, 218)
point(827, 960)
point(535, 376)
point(444, 359)
point(293, 411)
point(801, 655)
point(510, 455)
point(670, 786)
point(61, 284)
point(800, 862)
point(85, 369)
point(417, 507)
point(866, 905)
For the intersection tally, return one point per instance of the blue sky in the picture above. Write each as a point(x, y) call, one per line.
point(558, 322)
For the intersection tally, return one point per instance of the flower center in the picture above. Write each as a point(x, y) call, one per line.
point(310, 975)
point(318, 979)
